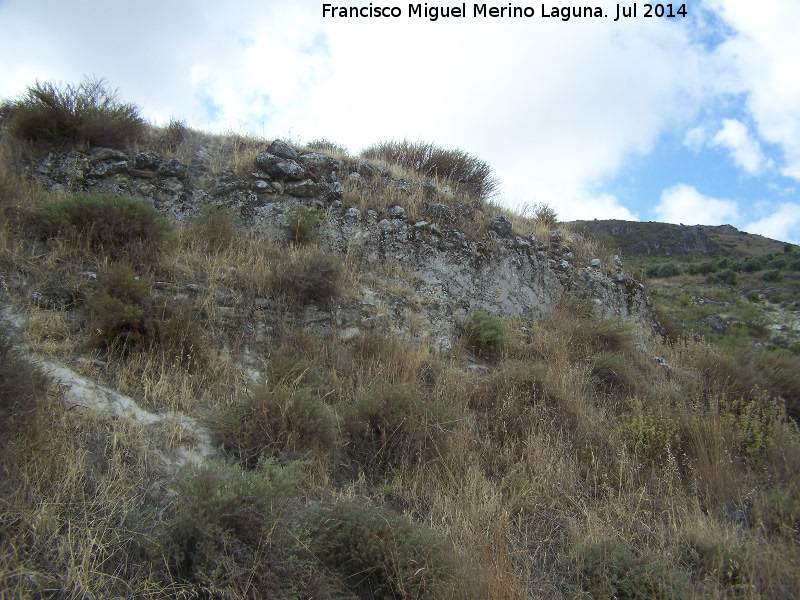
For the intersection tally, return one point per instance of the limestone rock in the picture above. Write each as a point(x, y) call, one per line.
point(282, 150)
point(501, 225)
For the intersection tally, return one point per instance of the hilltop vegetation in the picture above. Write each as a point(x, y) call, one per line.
point(573, 456)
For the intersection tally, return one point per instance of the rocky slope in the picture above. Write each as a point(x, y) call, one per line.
point(456, 258)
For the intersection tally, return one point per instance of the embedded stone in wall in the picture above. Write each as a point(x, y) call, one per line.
point(282, 150)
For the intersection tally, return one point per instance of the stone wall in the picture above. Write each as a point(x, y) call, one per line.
point(452, 274)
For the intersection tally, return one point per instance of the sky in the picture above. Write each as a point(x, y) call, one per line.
point(689, 119)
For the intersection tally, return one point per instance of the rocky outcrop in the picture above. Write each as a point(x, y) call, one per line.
point(507, 272)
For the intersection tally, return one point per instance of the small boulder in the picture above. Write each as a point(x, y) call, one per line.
point(282, 150)
point(501, 225)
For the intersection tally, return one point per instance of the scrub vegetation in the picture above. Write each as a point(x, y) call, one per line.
point(582, 458)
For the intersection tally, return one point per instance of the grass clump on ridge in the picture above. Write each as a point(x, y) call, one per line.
point(466, 172)
point(64, 116)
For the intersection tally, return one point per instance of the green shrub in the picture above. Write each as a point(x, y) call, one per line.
point(65, 116)
point(112, 225)
point(752, 264)
point(609, 569)
point(727, 276)
point(778, 263)
point(378, 554)
point(466, 172)
point(546, 215)
point(391, 426)
point(117, 309)
point(276, 421)
point(302, 223)
point(312, 276)
point(772, 276)
point(232, 531)
point(215, 229)
point(753, 296)
point(485, 333)
point(668, 269)
point(124, 317)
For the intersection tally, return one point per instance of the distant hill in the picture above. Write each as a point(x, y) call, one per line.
point(667, 239)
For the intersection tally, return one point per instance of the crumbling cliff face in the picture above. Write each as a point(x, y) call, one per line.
point(447, 269)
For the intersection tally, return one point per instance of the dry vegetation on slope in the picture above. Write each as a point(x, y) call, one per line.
point(564, 458)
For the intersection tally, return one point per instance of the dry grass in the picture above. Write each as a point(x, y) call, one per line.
point(573, 458)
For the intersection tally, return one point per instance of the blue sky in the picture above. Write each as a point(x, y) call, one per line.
point(692, 120)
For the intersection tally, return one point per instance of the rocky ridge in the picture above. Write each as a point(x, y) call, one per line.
point(508, 272)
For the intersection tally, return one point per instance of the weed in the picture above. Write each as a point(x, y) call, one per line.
point(115, 226)
point(609, 569)
point(485, 333)
point(309, 276)
point(391, 426)
point(215, 229)
point(651, 432)
point(276, 421)
point(302, 223)
point(468, 173)
point(379, 554)
point(22, 389)
point(61, 116)
point(614, 374)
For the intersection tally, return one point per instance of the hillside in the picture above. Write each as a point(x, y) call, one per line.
point(240, 368)
point(667, 239)
point(731, 287)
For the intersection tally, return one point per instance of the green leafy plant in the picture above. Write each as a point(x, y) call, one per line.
point(772, 276)
point(485, 333)
point(64, 116)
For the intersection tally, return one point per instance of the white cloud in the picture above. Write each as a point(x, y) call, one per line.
point(766, 53)
point(696, 139)
point(745, 151)
point(783, 224)
point(551, 122)
point(684, 204)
